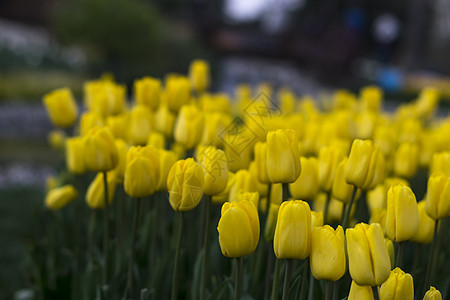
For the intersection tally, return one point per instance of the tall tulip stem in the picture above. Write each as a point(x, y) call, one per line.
point(429, 273)
point(238, 278)
point(401, 246)
point(177, 257)
point(375, 293)
point(348, 209)
point(329, 290)
point(287, 277)
point(285, 187)
point(276, 276)
point(136, 210)
point(105, 231)
point(327, 207)
point(205, 246)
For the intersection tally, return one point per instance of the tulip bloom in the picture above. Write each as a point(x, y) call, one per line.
point(327, 253)
point(215, 125)
point(402, 216)
point(166, 160)
point(283, 157)
point(252, 197)
point(189, 126)
point(118, 125)
point(372, 97)
point(398, 286)
point(360, 292)
point(75, 155)
point(368, 258)
point(88, 121)
point(425, 233)
point(142, 171)
point(100, 151)
point(441, 163)
point(199, 75)
point(406, 160)
point(215, 169)
point(57, 198)
point(177, 92)
point(329, 158)
point(141, 123)
point(432, 294)
point(238, 228)
point(185, 184)
point(293, 231)
point(261, 161)
point(224, 195)
point(437, 203)
point(147, 91)
point(61, 107)
point(165, 121)
point(307, 184)
point(316, 219)
point(243, 182)
point(95, 194)
point(341, 190)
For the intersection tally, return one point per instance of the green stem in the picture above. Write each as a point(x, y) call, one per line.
point(238, 278)
point(327, 206)
point(285, 190)
point(401, 246)
point(375, 293)
point(287, 276)
point(268, 275)
point(205, 246)
point(329, 290)
point(276, 276)
point(336, 289)
point(429, 274)
point(311, 287)
point(304, 278)
point(177, 257)
point(136, 210)
point(269, 190)
point(105, 231)
point(348, 209)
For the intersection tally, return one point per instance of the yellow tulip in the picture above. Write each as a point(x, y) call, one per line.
point(177, 92)
point(391, 251)
point(157, 140)
point(95, 194)
point(437, 202)
point(341, 190)
point(334, 210)
point(385, 137)
point(252, 197)
point(287, 100)
point(166, 160)
point(399, 285)
point(283, 157)
point(329, 158)
point(360, 292)
point(402, 216)
point(61, 107)
point(307, 184)
point(75, 155)
point(372, 97)
point(378, 215)
point(410, 131)
point(199, 75)
point(377, 197)
point(260, 151)
point(441, 163)
point(425, 233)
point(261, 188)
point(118, 125)
point(243, 181)
point(57, 139)
point(293, 231)
point(100, 151)
point(215, 103)
point(165, 121)
point(327, 253)
point(368, 258)
point(238, 148)
point(432, 294)
point(189, 126)
point(215, 125)
point(276, 193)
point(59, 197)
point(141, 123)
point(185, 184)
point(223, 196)
point(88, 121)
point(107, 98)
point(238, 228)
point(406, 160)
point(142, 171)
point(215, 169)
point(147, 91)
point(316, 219)
point(271, 222)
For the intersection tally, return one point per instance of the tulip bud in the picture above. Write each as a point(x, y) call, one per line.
point(215, 125)
point(216, 103)
point(399, 285)
point(283, 157)
point(118, 125)
point(147, 91)
point(391, 251)
point(385, 138)
point(378, 215)
point(432, 294)
point(243, 181)
point(261, 188)
point(260, 151)
point(360, 292)
point(287, 100)
point(57, 139)
point(441, 163)
point(327, 253)
point(177, 92)
point(335, 208)
point(75, 155)
point(141, 123)
point(142, 171)
point(238, 228)
point(402, 216)
point(372, 97)
point(156, 139)
point(271, 222)
point(165, 121)
point(238, 149)
point(437, 203)
point(223, 196)
point(61, 107)
point(122, 150)
point(316, 219)
point(368, 258)
point(293, 231)
point(188, 126)
point(199, 75)
point(406, 160)
point(424, 234)
point(215, 169)
point(329, 158)
point(252, 197)
point(341, 190)
point(307, 184)
point(95, 194)
point(100, 151)
point(166, 160)
point(88, 121)
point(57, 198)
point(185, 184)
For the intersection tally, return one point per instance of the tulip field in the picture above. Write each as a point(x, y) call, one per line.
point(171, 191)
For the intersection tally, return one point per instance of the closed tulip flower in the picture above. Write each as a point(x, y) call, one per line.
point(260, 151)
point(378, 215)
point(327, 253)
point(75, 155)
point(441, 163)
point(243, 181)
point(329, 158)
point(283, 157)
point(437, 203)
point(398, 286)
point(368, 258)
point(224, 195)
point(402, 216)
point(165, 121)
point(177, 92)
point(215, 169)
point(157, 140)
point(238, 148)
point(358, 166)
point(271, 222)
point(118, 125)
point(142, 171)
point(261, 188)
point(88, 121)
point(185, 184)
point(147, 91)
point(100, 151)
point(95, 194)
point(360, 292)
point(122, 150)
point(293, 231)
point(316, 219)
point(252, 197)
point(238, 228)
point(166, 160)
point(391, 251)
point(307, 184)
point(215, 125)
point(189, 126)
point(141, 123)
point(59, 197)
point(424, 234)
point(406, 160)
point(61, 107)
point(432, 294)
point(341, 190)
point(372, 97)
point(199, 75)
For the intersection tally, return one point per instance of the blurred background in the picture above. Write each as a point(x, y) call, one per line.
point(312, 46)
